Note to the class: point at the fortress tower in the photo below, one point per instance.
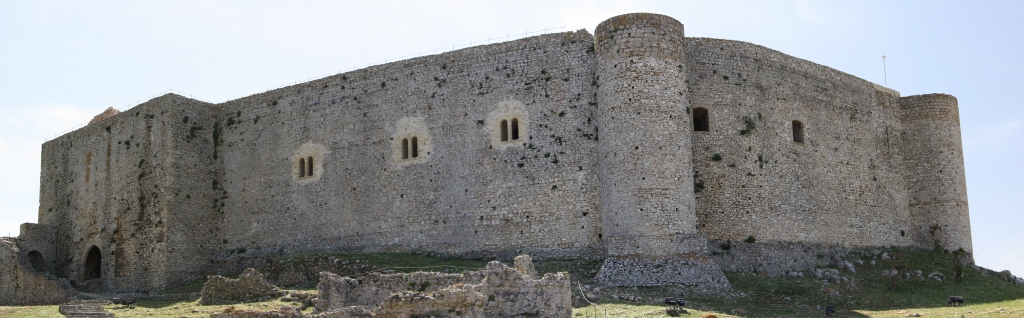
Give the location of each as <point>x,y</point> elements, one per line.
<point>644,153</point>
<point>936,185</point>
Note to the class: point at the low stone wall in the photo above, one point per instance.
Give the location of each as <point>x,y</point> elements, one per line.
<point>696,271</point>
<point>20,285</point>
<point>249,287</point>
<point>774,259</point>
<point>497,291</point>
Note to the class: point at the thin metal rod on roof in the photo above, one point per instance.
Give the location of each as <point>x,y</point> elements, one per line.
<point>885,74</point>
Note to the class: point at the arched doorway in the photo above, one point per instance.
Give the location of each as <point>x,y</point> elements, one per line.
<point>93,264</point>
<point>36,259</point>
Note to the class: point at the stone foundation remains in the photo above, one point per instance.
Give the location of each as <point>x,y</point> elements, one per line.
<point>497,291</point>
<point>22,285</point>
<point>249,287</point>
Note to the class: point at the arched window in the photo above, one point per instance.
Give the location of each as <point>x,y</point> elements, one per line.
<point>700,119</point>
<point>798,131</point>
<point>504,130</point>
<point>515,129</point>
<point>309,166</point>
<point>415,150</point>
<point>93,264</point>
<point>405,148</point>
<point>302,167</point>
<point>36,259</point>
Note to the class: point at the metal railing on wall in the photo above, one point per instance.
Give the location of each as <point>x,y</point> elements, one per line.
<point>507,37</point>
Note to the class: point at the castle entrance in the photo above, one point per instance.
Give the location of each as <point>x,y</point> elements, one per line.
<point>93,264</point>
<point>36,259</point>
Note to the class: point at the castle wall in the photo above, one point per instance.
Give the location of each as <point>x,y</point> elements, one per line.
<point>936,183</point>
<point>109,185</point>
<point>20,285</point>
<point>191,192</point>
<point>466,193</point>
<point>494,150</point>
<point>843,185</point>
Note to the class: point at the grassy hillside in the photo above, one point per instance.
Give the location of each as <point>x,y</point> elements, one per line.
<point>863,293</point>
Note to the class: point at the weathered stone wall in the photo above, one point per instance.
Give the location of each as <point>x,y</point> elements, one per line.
<point>20,285</point>
<point>41,239</point>
<point>461,196</point>
<point>644,153</point>
<point>249,287</point>
<point>774,258</point>
<point>936,183</point>
<point>114,184</point>
<point>843,185</point>
<point>410,156</point>
<point>497,291</point>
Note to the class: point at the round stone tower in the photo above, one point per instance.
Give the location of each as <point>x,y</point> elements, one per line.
<point>644,154</point>
<point>936,186</point>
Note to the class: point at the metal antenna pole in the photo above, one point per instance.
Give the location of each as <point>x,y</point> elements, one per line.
<point>885,74</point>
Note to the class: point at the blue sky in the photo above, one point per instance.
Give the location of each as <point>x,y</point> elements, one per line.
<point>63,62</point>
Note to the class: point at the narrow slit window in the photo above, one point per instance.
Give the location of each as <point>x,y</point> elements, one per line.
<point>415,149</point>
<point>700,119</point>
<point>798,131</point>
<point>515,129</point>
<point>302,167</point>
<point>504,130</point>
<point>405,148</point>
<point>309,166</point>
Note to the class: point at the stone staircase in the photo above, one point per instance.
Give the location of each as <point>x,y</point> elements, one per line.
<point>85,308</point>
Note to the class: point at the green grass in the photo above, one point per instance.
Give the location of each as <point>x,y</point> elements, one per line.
<point>759,296</point>
<point>753,295</point>
<point>30,311</point>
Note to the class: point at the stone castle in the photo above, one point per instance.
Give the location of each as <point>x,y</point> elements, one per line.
<point>670,158</point>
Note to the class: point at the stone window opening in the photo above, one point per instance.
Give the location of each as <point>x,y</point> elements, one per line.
<point>701,122</point>
<point>411,141</point>
<point>309,166</point>
<point>515,129</point>
<point>36,260</point>
<point>305,168</point>
<point>415,148</point>
<point>405,148</point>
<point>798,131</point>
<point>93,264</point>
<point>504,130</point>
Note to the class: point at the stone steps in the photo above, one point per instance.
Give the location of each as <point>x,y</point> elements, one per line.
<point>85,308</point>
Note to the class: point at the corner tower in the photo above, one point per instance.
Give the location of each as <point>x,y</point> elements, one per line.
<point>644,156</point>
<point>936,186</point>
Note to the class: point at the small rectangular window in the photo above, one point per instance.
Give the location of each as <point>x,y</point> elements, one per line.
<point>405,148</point>
<point>798,131</point>
<point>701,121</point>
<point>415,150</point>
<point>515,129</point>
<point>309,165</point>
<point>504,130</point>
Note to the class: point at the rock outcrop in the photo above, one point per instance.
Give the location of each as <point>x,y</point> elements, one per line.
<point>249,287</point>
<point>497,291</point>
